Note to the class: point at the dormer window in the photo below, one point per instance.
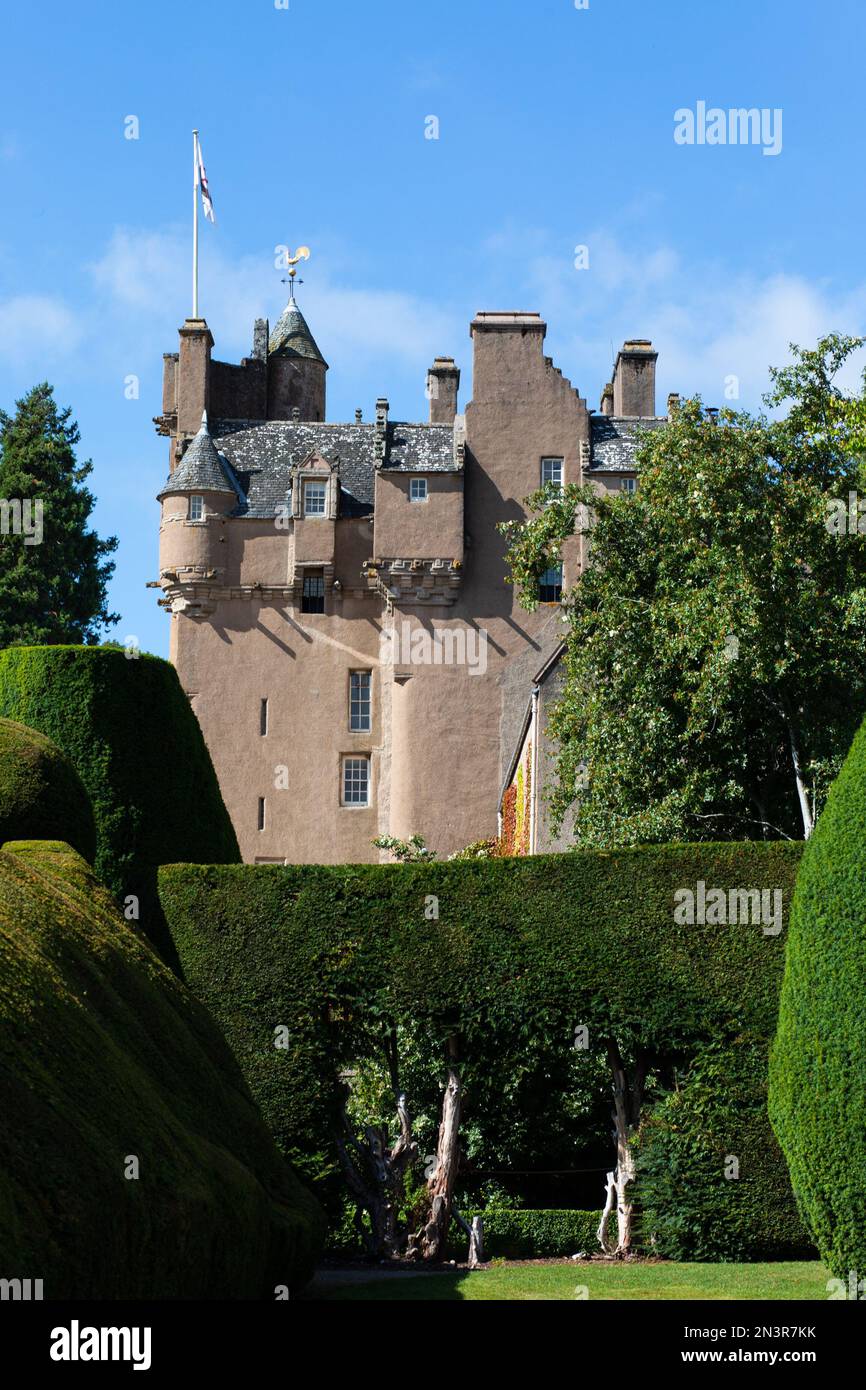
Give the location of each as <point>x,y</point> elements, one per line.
<point>196,509</point>
<point>314,498</point>
<point>418,490</point>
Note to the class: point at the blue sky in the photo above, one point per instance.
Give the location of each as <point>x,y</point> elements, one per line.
<point>556,129</point>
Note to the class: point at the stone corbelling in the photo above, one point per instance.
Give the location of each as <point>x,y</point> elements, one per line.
<point>414,581</point>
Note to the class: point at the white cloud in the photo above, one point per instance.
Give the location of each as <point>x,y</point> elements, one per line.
<point>146,272</point>
<point>36,328</point>
<point>708,321</point>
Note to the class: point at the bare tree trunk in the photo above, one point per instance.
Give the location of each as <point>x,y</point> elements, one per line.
<point>806,811</point>
<point>627,1102</point>
<point>440,1187</point>
<point>609,1201</point>
<point>376,1177</point>
<point>475,1232</point>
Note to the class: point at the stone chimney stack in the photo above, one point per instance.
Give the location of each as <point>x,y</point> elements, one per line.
<point>381,444</point>
<point>261,333</point>
<point>607,399</point>
<point>634,379</point>
<point>443,383</point>
<point>193,370</point>
<point>673,404</point>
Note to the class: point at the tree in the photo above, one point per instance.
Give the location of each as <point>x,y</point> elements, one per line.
<point>716,655</point>
<point>54,571</point>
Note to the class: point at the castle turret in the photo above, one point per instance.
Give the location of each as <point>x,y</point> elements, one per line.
<point>196,499</point>
<point>296,369</point>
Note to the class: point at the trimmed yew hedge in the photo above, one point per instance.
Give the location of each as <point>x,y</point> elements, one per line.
<point>818,1068</point>
<point>41,795</point>
<point>712,1178</point>
<point>473,947</point>
<point>129,731</point>
<point>518,1234</point>
<point>106,1055</point>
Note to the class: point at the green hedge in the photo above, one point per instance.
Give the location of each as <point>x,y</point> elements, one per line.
<point>129,731</point>
<point>41,795</point>
<point>542,943</point>
<point>530,1235</point>
<point>104,1054</point>
<point>818,1070</point>
<point>710,1170</point>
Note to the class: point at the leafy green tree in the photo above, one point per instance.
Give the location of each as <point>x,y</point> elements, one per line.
<point>54,571</point>
<point>716,656</point>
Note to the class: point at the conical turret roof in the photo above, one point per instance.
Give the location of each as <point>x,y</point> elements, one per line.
<point>292,338</point>
<point>201,469</point>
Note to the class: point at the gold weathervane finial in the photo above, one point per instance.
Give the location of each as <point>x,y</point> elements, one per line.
<point>302,254</point>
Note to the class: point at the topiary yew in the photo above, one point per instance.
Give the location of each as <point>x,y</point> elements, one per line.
<point>42,797</point>
<point>127,727</point>
<point>818,1062</point>
<point>104,1057</point>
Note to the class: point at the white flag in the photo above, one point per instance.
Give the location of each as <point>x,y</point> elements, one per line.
<point>201,180</point>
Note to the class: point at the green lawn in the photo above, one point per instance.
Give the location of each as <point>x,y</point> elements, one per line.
<point>803,1280</point>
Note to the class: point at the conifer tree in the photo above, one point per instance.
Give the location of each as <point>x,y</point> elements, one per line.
<point>54,570</point>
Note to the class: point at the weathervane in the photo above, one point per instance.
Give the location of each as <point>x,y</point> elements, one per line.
<point>302,254</point>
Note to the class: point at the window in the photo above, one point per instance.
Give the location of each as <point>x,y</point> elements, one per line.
<point>418,490</point>
<point>550,585</point>
<point>313,596</point>
<point>261,813</point>
<point>359,702</point>
<point>629,485</point>
<point>196,508</point>
<point>551,471</point>
<point>314,499</point>
<point>356,781</point>
<point>263,717</point>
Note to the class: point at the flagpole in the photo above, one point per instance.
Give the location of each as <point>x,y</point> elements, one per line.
<point>195,224</point>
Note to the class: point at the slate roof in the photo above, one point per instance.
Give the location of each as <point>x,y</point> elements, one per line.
<point>291,336</point>
<point>261,454</point>
<point>615,440</point>
<point>201,469</point>
<point>420,448</point>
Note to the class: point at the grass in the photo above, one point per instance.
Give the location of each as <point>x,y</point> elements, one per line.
<point>804,1280</point>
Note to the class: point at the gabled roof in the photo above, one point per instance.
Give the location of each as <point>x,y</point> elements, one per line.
<point>292,338</point>
<point>201,469</point>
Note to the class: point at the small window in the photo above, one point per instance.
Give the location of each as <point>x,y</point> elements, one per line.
<point>629,485</point>
<point>261,813</point>
<point>418,490</point>
<point>314,499</point>
<point>263,717</point>
<point>196,508</point>
<point>550,585</point>
<point>359,702</point>
<point>313,597</point>
<point>356,781</point>
<point>551,472</point>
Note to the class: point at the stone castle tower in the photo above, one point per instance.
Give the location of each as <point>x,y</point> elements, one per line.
<point>340,616</point>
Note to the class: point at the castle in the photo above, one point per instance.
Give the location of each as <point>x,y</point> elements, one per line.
<point>340,614</point>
